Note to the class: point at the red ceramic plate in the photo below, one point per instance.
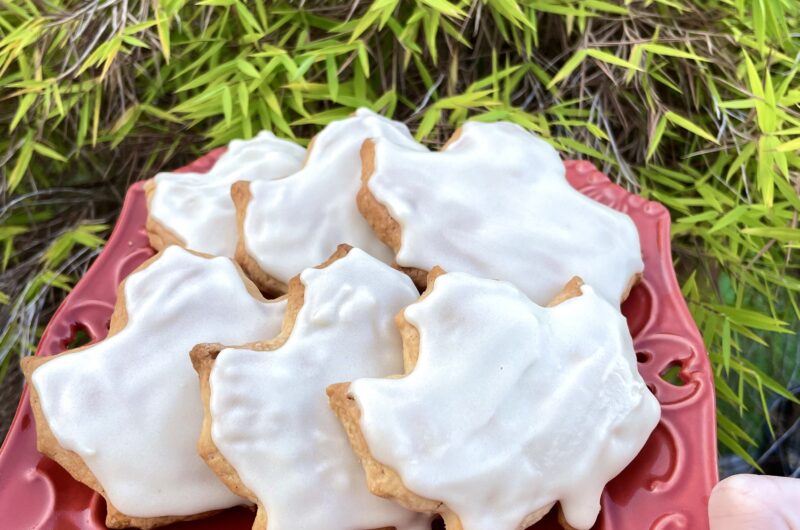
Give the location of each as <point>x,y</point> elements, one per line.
<point>665,488</point>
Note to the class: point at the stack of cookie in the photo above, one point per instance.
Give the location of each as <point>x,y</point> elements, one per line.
<point>331,394</point>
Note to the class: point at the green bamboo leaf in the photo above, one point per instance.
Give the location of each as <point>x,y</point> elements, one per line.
<point>697,218</point>
<point>227,104</point>
<point>792,97</point>
<point>431,28</point>
<point>133,41</point>
<point>779,233</point>
<point>58,101</point>
<point>467,100</point>
<point>568,67</point>
<point>162,23</point>
<point>726,393</point>
<point>98,99</point>
<point>607,7</point>
<point>47,279</point>
<point>765,176</point>
<point>759,23</point>
<point>49,152</point>
<point>363,58</point>
<point>85,235</point>
<point>511,11</point>
<point>8,249</point>
<point>752,319</point>
<point>579,147</point>
<point>21,165</point>
<point>10,231</point>
<point>159,113</point>
<point>280,122</point>
<point>753,79</point>
<point>25,103</point>
<point>324,117</point>
<point>729,218</point>
<point>363,24</point>
<point>386,104</point>
<point>303,67</point>
<point>790,146</point>
<point>770,382</point>
<point>728,441</point>
<point>133,29</point>
<point>684,123</point>
<point>217,74</point>
<point>62,246</point>
<point>124,119</point>
<point>247,69</point>
<point>726,345</point>
<point>247,18</point>
<point>788,193</point>
<point>83,123</point>
<point>738,104</point>
<point>660,49</point>
<point>610,58</point>
<point>271,99</point>
<point>740,162</point>
<point>331,71</point>
<point>736,431</point>
<point>635,58</point>
<point>429,121</point>
<point>655,139</point>
<point>244,99</point>
<point>445,8</point>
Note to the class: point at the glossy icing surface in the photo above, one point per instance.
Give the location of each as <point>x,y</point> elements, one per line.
<point>511,406</point>
<point>197,207</point>
<point>129,405</point>
<point>270,415</point>
<point>496,204</point>
<point>297,222</point>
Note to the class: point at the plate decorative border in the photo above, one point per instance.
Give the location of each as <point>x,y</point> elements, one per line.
<point>665,488</point>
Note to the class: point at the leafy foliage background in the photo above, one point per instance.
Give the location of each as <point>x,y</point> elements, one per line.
<point>692,103</point>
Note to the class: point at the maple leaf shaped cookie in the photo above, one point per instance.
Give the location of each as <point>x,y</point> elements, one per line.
<point>297,222</point>
<point>507,407</point>
<point>195,210</point>
<point>123,415</point>
<point>268,430</point>
<point>495,203</point>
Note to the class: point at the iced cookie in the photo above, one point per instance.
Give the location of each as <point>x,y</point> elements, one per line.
<point>290,224</point>
<point>195,210</point>
<point>507,407</point>
<point>495,203</point>
<point>123,415</point>
<point>268,430</point>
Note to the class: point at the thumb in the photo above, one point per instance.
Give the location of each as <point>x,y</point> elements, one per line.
<point>751,502</point>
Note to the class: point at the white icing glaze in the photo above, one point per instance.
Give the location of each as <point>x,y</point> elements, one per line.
<point>496,204</point>
<point>270,414</point>
<point>297,222</point>
<point>130,405</point>
<point>511,406</point>
<point>198,208</point>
